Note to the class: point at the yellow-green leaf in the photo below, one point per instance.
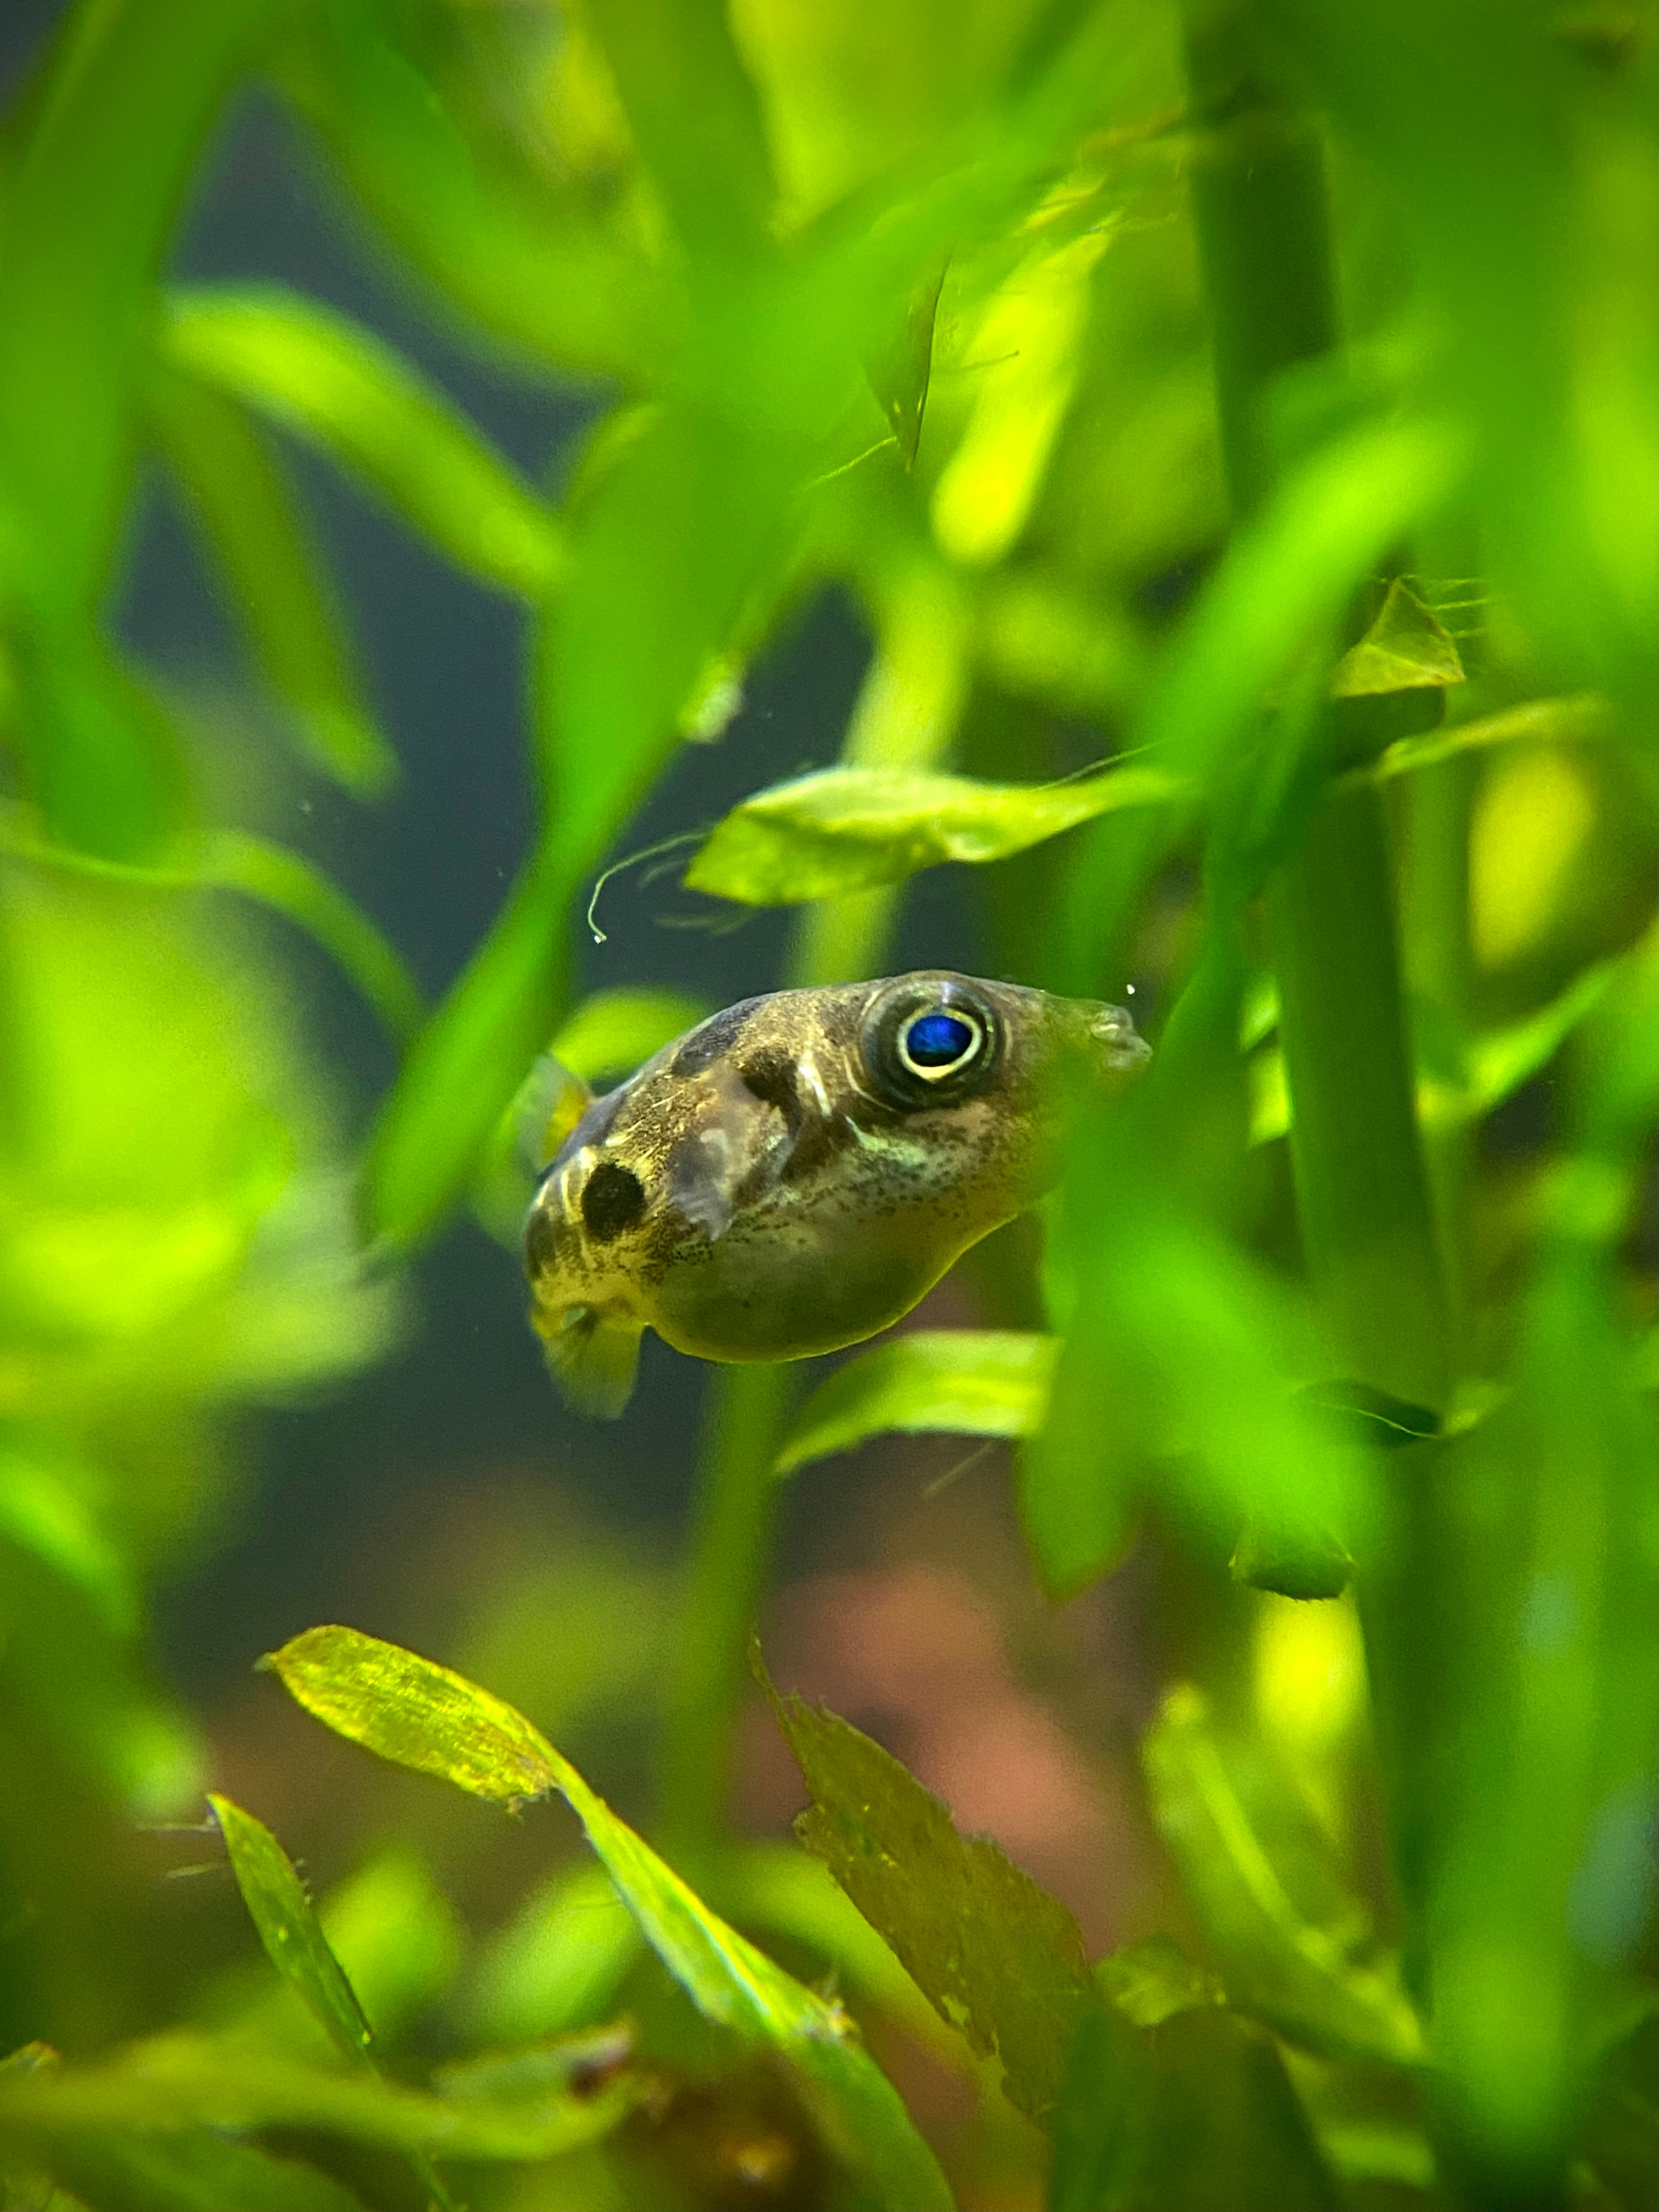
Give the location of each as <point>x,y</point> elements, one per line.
<point>417,1714</point>
<point>979,1382</point>
<point>420,1715</point>
<point>843,829</point>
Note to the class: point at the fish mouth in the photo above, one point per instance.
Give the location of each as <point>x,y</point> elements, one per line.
<point>1113,1033</point>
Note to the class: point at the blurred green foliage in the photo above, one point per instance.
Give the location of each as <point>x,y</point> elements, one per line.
<point>1235,420</point>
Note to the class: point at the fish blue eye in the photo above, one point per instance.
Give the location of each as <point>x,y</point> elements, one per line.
<point>938,1040</point>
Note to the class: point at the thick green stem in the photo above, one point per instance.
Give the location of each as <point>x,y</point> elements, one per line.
<point>1367,1223</point>
<point>905,718</point>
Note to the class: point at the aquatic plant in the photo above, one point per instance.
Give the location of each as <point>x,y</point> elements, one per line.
<point>1234,420</point>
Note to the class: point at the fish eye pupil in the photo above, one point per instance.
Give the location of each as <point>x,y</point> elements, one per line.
<point>938,1040</point>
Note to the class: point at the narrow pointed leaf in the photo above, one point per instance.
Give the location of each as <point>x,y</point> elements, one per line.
<point>289,1929</point>
<point>235,484</point>
<point>978,1383</point>
<point>330,381</point>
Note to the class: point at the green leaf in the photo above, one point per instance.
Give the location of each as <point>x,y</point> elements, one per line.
<point>1151,1982</point>
<point>93,184</point>
<point>184,2082</point>
<point>463,1069</point>
<point>1287,576</point>
<point>614,1032</point>
<point>1405,649</point>
<point>670,546</point>
<point>317,373</point>
<point>997,1957</point>
<point>532,266</point>
<point>695,114</point>
<point>560,1961</point>
<point>899,376</point>
<point>289,1929</point>
<point>981,1383</point>
<point>43,1508</point>
<point>1201,1346</point>
<point>422,1715</point>
<point>1194,2114</point>
<point>273,569</point>
<point>407,1710</point>
<point>843,829</point>
<point>1577,720</point>
<point>233,860</point>
<point>188,2171</point>
<point>1295,1945</point>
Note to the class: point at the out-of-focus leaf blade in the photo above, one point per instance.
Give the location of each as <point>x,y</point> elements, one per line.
<point>614,1032</point>
<point>464,1066</point>
<point>669,549</point>
<point>188,2170</point>
<point>182,2081</point>
<point>1282,586</point>
<point>1577,720</point>
<point>42,1508</point>
<point>1195,2114</point>
<point>235,484</point>
<point>535,269</point>
<point>131,102</point>
<point>232,860</point>
<point>422,1715</point>
<point>1311,1968</point>
<point>996,1955</point>
<point>843,829</point>
<point>982,1382</point>
<point>289,1929</point>
<point>560,1961</point>
<point>695,116</point>
<point>317,373</point>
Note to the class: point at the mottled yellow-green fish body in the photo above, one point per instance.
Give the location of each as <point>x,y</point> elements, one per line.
<point>795,1173</point>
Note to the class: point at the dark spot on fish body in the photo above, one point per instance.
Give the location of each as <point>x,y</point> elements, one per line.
<point>613,1199</point>
<point>710,1039</point>
<point>770,1077</point>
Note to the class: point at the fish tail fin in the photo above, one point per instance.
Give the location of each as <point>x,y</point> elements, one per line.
<point>592,1357</point>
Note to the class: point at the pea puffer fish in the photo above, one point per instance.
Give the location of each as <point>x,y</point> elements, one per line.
<point>792,1175</point>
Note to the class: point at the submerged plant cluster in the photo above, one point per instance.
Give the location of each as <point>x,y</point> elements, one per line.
<point>1233,422</point>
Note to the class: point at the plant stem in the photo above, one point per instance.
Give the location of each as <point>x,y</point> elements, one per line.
<point>905,717</point>
<point>1363,1195</point>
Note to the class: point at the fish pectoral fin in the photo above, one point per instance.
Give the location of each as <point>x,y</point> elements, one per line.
<point>550,1103</point>
<point>592,1357</point>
